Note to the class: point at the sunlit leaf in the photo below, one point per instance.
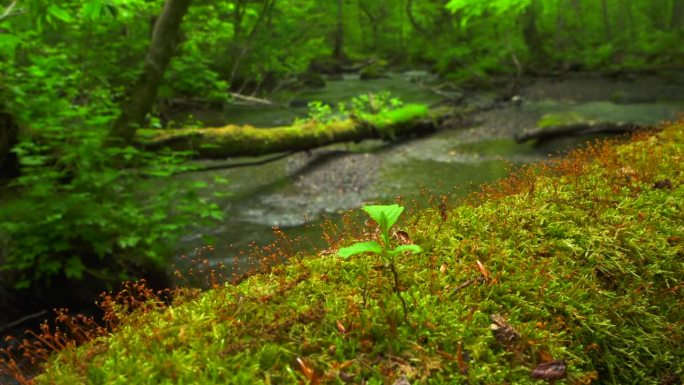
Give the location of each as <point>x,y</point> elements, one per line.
<point>360,247</point>
<point>411,248</point>
<point>59,13</point>
<point>74,268</point>
<point>385,215</point>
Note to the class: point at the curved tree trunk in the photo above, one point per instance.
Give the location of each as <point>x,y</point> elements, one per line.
<point>412,18</point>
<point>165,37</point>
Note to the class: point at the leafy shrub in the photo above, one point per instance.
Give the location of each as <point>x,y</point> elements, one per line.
<point>361,106</point>
<point>86,209</point>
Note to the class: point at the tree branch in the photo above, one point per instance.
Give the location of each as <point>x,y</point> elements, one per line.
<point>8,10</point>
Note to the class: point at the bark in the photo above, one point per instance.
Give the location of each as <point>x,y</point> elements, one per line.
<point>374,20</point>
<point>248,41</point>
<point>560,25</point>
<point>9,137</point>
<point>412,18</point>
<point>8,11</point>
<point>238,15</point>
<point>531,34</point>
<point>338,48</point>
<point>606,19</point>
<point>576,129</point>
<point>626,22</point>
<point>231,141</point>
<point>165,38</point>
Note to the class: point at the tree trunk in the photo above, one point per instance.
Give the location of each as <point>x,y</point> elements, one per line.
<point>531,34</point>
<point>165,38</point>
<point>560,26</point>
<point>338,48</point>
<point>606,20</point>
<point>230,141</point>
<point>9,137</point>
<point>238,16</point>
<point>373,20</point>
<point>677,15</point>
<point>629,19</point>
<point>412,19</point>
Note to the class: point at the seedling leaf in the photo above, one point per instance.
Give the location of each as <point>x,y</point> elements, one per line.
<point>411,248</point>
<point>385,215</point>
<point>360,247</point>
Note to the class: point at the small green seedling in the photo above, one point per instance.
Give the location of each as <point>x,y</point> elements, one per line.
<point>385,216</point>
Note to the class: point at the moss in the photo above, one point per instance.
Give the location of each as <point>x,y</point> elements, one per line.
<point>232,140</point>
<point>582,257</point>
<point>559,119</point>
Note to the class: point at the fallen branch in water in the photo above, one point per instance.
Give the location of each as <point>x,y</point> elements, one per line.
<point>577,129</point>
<point>251,99</point>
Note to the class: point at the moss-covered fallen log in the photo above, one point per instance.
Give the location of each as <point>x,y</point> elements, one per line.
<point>576,129</point>
<point>232,140</point>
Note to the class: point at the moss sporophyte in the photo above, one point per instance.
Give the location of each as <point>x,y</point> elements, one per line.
<point>385,216</point>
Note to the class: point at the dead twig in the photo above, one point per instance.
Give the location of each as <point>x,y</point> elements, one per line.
<point>468,283</point>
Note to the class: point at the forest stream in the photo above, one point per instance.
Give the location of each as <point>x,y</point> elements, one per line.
<point>296,192</point>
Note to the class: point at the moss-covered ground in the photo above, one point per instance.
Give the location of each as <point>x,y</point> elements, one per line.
<point>583,256</point>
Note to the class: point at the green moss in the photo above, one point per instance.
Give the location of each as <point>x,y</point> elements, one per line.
<point>584,260</point>
<point>405,114</point>
<point>249,140</point>
<point>558,119</point>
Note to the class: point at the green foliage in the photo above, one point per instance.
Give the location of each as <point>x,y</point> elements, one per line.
<point>367,106</point>
<point>558,119</point>
<point>375,103</point>
<point>82,209</point>
<point>99,211</point>
<point>320,112</point>
<point>385,216</point>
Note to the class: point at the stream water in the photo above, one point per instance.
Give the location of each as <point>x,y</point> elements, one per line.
<point>294,193</point>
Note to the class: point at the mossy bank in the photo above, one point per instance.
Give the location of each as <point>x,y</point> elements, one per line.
<point>583,257</point>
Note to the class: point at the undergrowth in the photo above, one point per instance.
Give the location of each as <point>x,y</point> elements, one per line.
<point>580,259</point>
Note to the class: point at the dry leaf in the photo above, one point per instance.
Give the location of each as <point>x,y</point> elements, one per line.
<point>341,328</point>
<point>482,269</point>
<point>307,371</point>
<point>502,330</point>
<point>462,365</point>
<point>550,371</point>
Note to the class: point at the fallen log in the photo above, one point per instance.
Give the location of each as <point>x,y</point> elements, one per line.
<point>576,129</point>
<point>251,99</point>
<point>232,140</point>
